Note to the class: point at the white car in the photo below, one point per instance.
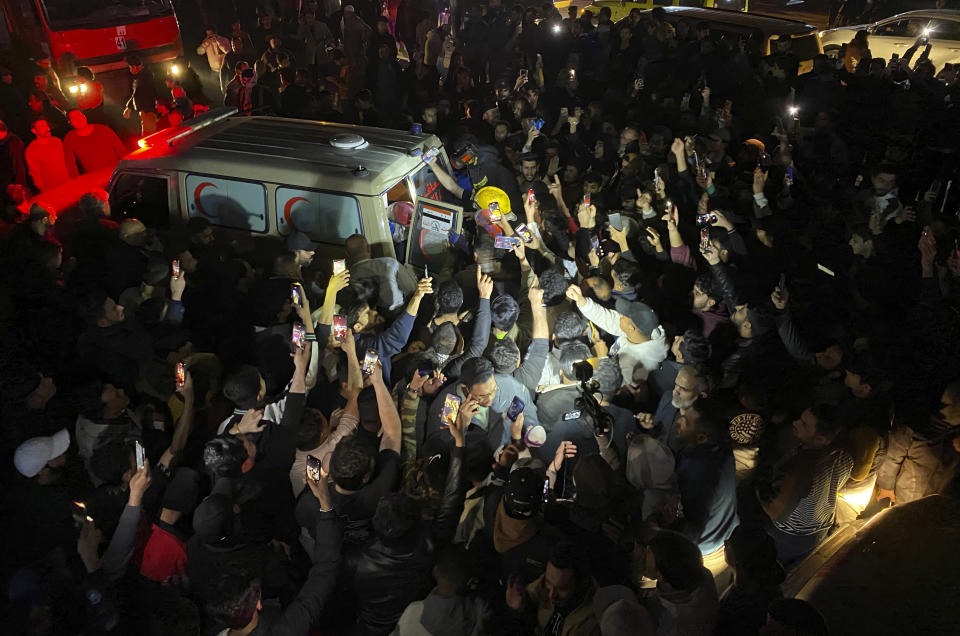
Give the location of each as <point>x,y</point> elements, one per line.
<point>898,33</point>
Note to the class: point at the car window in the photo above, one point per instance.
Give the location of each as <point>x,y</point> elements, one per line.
<point>228,202</point>
<point>137,196</point>
<point>325,216</point>
<point>912,28</point>
<point>945,29</point>
<point>427,185</point>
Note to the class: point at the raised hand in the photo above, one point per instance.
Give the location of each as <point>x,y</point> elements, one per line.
<point>485,283</point>
<point>575,294</point>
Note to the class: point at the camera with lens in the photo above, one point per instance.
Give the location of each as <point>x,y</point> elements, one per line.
<point>587,404</point>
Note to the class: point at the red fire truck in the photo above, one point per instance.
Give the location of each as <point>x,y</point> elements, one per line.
<point>93,33</point>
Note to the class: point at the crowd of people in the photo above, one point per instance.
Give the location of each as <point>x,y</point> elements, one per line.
<point>696,299</point>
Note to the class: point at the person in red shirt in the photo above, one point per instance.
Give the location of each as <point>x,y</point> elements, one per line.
<point>165,555</point>
<point>46,161</point>
<point>91,146</point>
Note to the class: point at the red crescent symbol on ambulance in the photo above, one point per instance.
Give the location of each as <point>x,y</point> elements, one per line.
<point>196,197</point>
<point>286,211</point>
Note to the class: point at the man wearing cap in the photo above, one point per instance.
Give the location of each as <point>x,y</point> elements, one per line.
<point>513,532</point>
<point>303,248</point>
<point>42,502</point>
<point>640,343</point>
<point>46,158</point>
<point>42,457</point>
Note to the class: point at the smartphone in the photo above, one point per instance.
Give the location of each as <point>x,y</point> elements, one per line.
<point>181,377</point>
<point>339,327</point>
<point>782,285</point>
<point>295,295</point>
<point>704,220</point>
<point>789,175</point>
<point>493,211</point>
<point>426,369</point>
<point>451,406</point>
<point>524,73</point>
<point>313,468</point>
<point>516,408</point>
<point>616,221</point>
<point>339,266</point>
<point>656,178</point>
<point>369,360</point>
<point>667,205</point>
<point>505,242</point>
<point>595,244</point>
<point>80,514</point>
<point>175,267</point>
<point>531,197</point>
<point>141,454</point>
<point>546,490</point>
<point>586,199</point>
<point>524,233</point>
<point>704,238</point>
<point>298,335</point>
<point>538,123</point>
<point>426,271</point>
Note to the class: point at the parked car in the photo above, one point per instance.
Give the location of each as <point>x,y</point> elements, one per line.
<point>733,25</point>
<point>622,8</point>
<point>858,577</point>
<point>898,33</point>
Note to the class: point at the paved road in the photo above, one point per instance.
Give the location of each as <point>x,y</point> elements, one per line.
<point>811,11</point>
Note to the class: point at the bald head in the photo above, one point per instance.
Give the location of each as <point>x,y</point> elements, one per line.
<point>357,248</point>
<point>133,232</point>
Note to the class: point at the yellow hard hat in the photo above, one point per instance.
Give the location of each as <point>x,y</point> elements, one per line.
<point>487,195</point>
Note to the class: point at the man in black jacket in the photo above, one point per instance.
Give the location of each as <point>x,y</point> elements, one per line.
<point>393,569</point>
<point>237,604</point>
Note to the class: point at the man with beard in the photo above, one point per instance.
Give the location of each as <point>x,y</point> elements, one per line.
<point>531,177</point>
<point>691,385</point>
<point>303,250</point>
<point>707,478</point>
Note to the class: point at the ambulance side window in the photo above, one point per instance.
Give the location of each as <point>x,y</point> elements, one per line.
<point>326,217</point>
<point>228,202</point>
<point>143,197</point>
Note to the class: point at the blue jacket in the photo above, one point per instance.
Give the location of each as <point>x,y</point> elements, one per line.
<point>706,475</point>
<point>387,343</point>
